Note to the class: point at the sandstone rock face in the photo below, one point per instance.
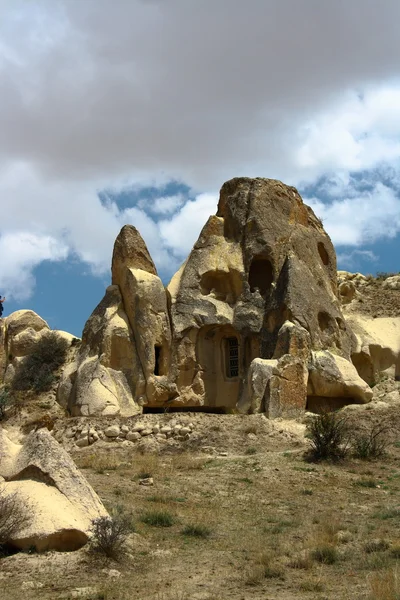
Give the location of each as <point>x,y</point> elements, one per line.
<point>335,378</point>
<point>19,333</point>
<point>106,377</point>
<point>378,346</point>
<point>123,362</point>
<point>45,479</point>
<point>236,325</point>
<point>263,261</point>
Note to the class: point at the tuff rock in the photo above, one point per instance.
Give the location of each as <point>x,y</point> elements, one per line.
<point>246,323</point>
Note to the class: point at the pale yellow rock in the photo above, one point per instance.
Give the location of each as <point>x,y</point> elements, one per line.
<point>106,377</point>
<point>59,498</point>
<point>378,346</point>
<point>332,376</point>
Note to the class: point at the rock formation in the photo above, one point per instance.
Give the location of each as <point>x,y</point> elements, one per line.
<point>19,334</point>
<point>240,326</point>
<point>44,479</point>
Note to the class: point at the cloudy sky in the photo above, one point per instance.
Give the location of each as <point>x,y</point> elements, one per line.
<point>136,111</point>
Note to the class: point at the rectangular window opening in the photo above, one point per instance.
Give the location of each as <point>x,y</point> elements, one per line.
<point>232,357</point>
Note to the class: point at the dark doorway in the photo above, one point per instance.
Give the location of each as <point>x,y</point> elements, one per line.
<point>157,362</point>
<point>261,275</point>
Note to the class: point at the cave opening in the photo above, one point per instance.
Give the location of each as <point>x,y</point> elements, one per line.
<point>261,275</point>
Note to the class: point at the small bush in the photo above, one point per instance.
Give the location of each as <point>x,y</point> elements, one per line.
<point>329,436</point>
<point>370,443</point>
<point>158,518</point>
<point>251,450</point>
<point>200,531</point>
<point>366,483</point>
<point>109,534</point>
<point>376,546</point>
<point>14,516</point>
<point>326,555</point>
<point>37,371</point>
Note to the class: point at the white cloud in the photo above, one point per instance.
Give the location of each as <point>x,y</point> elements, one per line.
<point>363,219</point>
<point>180,232</point>
<point>21,252</point>
<point>351,259</point>
<point>101,95</point>
<point>165,205</point>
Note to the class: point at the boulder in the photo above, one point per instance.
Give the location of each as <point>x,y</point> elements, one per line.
<point>347,291</point>
<point>253,395</point>
<point>288,388</point>
<point>378,346</point>
<point>392,283</point>
<point>45,479</point>
<point>335,378</point>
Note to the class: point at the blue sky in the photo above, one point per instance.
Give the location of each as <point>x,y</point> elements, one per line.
<point>137,112</point>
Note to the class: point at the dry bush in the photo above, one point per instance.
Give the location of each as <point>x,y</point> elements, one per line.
<point>14,515</point>
<point>329,436</point>
<point>109,534</point>
<point>264,567</point>
<point>370,443</point>
<point>385,585</point>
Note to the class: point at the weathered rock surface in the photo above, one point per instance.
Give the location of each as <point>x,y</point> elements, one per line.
<point>378,346</point>
<point>236,325</point>
<point>45,479</point>
<point>335,378</point>
<point>106,378</point>
<point>19,333</point>
<point>262,261</point>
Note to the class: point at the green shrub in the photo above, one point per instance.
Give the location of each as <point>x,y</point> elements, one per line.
<point>370,443</point>
<point>329,436</point>
<point>158,518</point>
<point>37,371</point>
<point>109,534</point>
<point>326,555</point>
<point>200,531</point>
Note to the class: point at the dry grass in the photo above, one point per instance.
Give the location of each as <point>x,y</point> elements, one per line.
<point>385,585</point>
<point>265,531</point>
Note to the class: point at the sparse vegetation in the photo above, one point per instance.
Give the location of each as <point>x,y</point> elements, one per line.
<point>370,443</point>
<point>109,534</point>
<point>199,531</point>
<point>329,436</point>
<point>158,518</point>
<point>385,585</point>
<point>325,554</point>
<point>376,546</point>
<point>14,516</point>
<point>37,371</point>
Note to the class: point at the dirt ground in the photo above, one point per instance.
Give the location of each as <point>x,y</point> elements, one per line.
<point>266,524</point>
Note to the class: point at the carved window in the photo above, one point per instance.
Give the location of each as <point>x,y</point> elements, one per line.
<point>232,357</point>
